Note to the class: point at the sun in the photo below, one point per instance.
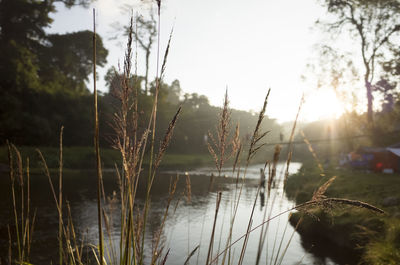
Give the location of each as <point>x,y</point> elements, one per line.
<point>322,104</point>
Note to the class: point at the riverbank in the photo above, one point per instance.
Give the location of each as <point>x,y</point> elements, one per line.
<point>78,158</point>
<point>375,238</point>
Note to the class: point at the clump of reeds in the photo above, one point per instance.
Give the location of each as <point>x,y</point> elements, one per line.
<point>70,251</point>
<point>320,201</point>
<point>218,150</point>
<point>255,146</point>
<point>218,146</point>
<point>132,142</point>
<point>271,179</point>
<point>24,221</point>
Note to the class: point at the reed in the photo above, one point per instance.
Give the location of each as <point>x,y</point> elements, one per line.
<point>312,151</point>
<point>97,146</point>
<point>60,241</point>
<point>156,250</point>
<point>271,179</point>
<point>211,243</point>
<point>290,148</point>
<point>24,221</point>
<point>219,145</point>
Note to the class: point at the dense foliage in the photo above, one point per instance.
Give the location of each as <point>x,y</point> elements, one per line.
<point>198,117</point>
<point>42,81</point>
<point>43,86</point>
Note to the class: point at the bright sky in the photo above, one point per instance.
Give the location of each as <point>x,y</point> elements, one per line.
<point>247,46</point>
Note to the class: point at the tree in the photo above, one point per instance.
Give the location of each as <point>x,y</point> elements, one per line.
<point>145,35</point>
<point>374,23</point>
<point>24,43</point>
<point>67,60</point>
<point>24,20</point>
<point>36,71</point>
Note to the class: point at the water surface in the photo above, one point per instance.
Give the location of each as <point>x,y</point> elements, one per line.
<point>186,228</point>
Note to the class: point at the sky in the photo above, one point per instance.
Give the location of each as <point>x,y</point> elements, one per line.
<point>245,46</point>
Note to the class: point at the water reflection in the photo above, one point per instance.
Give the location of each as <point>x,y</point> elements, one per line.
<point>188,227</point>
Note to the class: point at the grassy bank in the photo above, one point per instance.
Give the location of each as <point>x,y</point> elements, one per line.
<point>78,158</point>
<point>375,237</point>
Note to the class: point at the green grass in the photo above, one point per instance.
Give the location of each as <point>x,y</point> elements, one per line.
<point>377,235</point>
<point>82,157</point>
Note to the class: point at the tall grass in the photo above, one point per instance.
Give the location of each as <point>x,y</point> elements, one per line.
<point>133,142</point>
<point>24,221</point>
<point>96,145</point>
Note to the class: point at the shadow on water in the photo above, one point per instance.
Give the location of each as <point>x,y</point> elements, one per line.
<point>329,253</point>
<point>188,227</point>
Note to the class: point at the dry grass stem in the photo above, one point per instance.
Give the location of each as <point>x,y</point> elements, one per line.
<point>218,146</point>
<point>167,138</point>
<point>320,193</point>
<point>97,146</point>
<point>164,64</point>
<point>9,245</point>
<point>191,255</point>
<point>157,249</point>
<point>60,241</point>
<point>272,175</point>
<point>290,148</point>
<point>188,189</point>
<point>211,244</point>
<point>329,203</point>
<point>290,240</point>
<point>165,258</point>
<point>257,134</point>
<point>248,228</point>
<point>314,154</point>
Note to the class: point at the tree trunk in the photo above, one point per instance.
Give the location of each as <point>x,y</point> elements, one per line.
<point>370,117</point>
<point>147,72</point>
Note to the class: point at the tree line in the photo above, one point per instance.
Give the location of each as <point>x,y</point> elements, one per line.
<point>43,87</point>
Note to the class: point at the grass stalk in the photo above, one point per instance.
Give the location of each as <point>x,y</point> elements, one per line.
<point>29,229</point>
<point>281,242</point>
<point>248,228</point>
<point>60,241</point>
<point>156,251</point>
<point>12,178</point>
<point>74,238</point>
<point>22,191</point>
<point>96,145</point>
<point>254,147</point>
<point>289,241</point>
<point>201,238</point>
<point>210,247</point>
<point>290,148</point>
<point>9,245</point>
<point>191,255</point>
<point>153,118</point>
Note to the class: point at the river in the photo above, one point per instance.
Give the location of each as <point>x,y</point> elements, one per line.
<point>188,227</point>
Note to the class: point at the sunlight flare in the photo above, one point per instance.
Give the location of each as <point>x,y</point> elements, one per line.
<point>322,104</point>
